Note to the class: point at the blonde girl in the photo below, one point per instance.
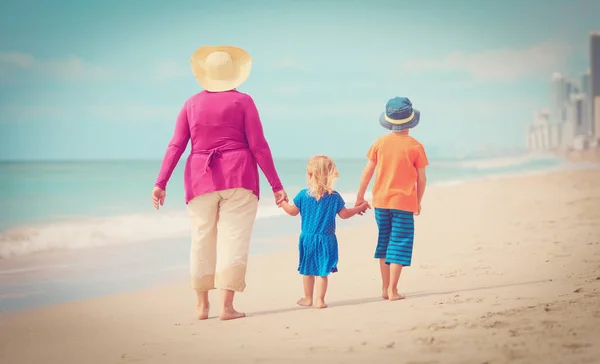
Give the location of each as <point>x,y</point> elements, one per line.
<point>318,206</point>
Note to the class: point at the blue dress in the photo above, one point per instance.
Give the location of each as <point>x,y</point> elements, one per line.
<point>318,244</point>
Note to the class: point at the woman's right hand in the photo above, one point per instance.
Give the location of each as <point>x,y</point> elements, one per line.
<point>158,197</point>
<point>280,196</point>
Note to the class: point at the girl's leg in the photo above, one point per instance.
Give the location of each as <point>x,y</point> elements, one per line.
<point>385,278</point>
<point>309,287</point>
<point>384,224</point>
<point>321,291</point>
<point>395,270</point>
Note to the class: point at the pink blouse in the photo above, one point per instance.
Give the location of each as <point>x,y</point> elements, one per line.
<point>227,142</point>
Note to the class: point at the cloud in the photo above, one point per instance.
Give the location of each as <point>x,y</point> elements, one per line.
<point>15,65</point>
<point>290,64</point>
<point>22,112</point>
<point>16,59</point>
<point>498,65</point>
<point>18,67</point>
<point>123,112</point>
<point>134,112</point>
<point>168,70</point>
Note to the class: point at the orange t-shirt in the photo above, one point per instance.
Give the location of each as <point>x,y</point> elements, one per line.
<point>397,157</point>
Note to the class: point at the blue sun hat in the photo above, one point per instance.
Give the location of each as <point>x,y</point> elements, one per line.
<point>399,115</point>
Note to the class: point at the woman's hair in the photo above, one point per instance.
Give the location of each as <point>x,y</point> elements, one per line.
<point>322,173</point>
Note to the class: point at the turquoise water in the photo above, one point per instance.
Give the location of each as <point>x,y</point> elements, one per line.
<point>102,236</point>
<point>66,205</point>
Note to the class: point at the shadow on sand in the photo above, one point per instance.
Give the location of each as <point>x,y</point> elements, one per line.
<point>409,296</point>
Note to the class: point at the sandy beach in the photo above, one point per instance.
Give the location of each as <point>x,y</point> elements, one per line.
<point>504,271</point>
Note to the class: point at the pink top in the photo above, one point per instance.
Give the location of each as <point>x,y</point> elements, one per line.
<point>227,142</point>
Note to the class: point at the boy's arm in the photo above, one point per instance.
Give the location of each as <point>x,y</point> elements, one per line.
<point>365,179</point>
<point>289,209</point>
<point>421,183</point>
<point>346,213</point>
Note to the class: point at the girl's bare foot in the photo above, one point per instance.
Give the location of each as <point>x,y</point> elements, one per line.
<point>231,314</point>
<point>202,311</point>
<point>384,294</point>
<point>395,296</point>
<point>305,301</point>
<point>320,304</point>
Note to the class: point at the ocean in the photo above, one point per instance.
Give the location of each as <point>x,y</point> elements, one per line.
<point>73,230</point>
<point>74,205</point>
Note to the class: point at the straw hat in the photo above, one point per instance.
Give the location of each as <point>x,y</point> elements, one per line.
<point>220,68</point>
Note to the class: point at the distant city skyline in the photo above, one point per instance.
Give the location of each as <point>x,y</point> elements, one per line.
<point>572,121</point>
<point>594,55</point>
<point>82,80</point>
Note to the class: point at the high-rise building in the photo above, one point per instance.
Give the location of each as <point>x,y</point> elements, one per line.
<point>568,134</point>
<point>595,79</point>
<point>584,83</point>
<point>577,111</point>
<point>539,132</point>
<point>597,119</point>
<point>558,91</point>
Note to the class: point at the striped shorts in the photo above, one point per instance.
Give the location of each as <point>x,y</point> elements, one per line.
<point>396,235</point>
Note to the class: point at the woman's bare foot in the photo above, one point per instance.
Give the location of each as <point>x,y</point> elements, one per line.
<point>395,296</point>
<point>320,304</point>
<point>305,301</point>
<point>231,314</point>
<point>202,311</point>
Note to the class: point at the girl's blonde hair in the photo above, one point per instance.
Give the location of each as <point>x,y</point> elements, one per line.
<point>322,173</point>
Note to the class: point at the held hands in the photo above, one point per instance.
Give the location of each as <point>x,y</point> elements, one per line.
<point>280,196</point>
<point>158,197</point>
<point>362,205</point>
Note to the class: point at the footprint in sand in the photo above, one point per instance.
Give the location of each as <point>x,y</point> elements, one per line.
<point>496,325</point>
<point>575,346</point>
<point>390,345</point>
<point>428,340</point>
<point>442,326</point>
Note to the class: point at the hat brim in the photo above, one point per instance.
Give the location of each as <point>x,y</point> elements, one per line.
<point>396,127</point>
<point>242,62</point>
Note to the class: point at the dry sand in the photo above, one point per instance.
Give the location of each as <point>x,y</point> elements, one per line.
<point>504,271</point>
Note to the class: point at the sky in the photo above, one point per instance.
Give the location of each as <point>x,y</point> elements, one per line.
<point>106,80</point>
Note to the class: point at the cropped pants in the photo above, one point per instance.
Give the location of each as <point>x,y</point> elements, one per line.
<point>222,224</point>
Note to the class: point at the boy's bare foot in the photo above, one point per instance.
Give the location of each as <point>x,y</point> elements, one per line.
<point>395,296</point>
<point>202,312</point>
<point>231,314</point>
<point>305,301</point>
<point>320,304</point>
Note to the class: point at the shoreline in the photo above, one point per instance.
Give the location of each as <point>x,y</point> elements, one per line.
<point>175,216</point>
<point>56,265</point>
<point>503,271</point>
<point>507,288</point>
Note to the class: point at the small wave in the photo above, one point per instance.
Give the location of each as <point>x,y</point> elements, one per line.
<point>494,163</point>
<point>79,233</point>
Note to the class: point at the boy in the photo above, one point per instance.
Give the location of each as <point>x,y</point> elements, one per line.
<point>399,162</point>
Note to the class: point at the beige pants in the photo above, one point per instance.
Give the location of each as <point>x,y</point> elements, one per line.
<point>222,223</point>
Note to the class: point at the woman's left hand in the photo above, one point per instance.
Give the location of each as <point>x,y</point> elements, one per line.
<point>280,196</point>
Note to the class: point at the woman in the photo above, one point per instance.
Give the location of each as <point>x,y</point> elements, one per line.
<point>221,174</point>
